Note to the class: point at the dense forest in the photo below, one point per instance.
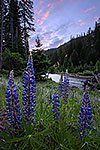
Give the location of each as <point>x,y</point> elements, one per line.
<point>16,21</point>
<point>16,24</point>
<point>78,54</point>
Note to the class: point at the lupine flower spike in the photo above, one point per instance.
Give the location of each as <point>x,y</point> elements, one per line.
<point>13,107</point>
<point>60,89</point>
<point>85,114</point>
<point>29,92</point>
<point>56,106</point>
<point>66,87</point>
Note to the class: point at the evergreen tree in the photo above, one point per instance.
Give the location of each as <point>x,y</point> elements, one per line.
<point>1,29</point>
<point>16,21</point>
<point>26,12</point>
<point>3,11</point>
<point>13,30</point>
<point>41,61</point>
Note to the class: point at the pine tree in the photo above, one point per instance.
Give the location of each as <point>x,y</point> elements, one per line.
<point>16,21</point>
<point>1,29</point>
<point>13,29</point>
<point>26,12</point>
<point>41,61</point>
<point>3,10</point>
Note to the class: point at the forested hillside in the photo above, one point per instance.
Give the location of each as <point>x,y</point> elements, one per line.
<point>80,53</point>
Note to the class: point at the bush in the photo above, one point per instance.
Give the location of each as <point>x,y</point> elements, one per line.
<point>3,71</point>
<point>12,60</point>
<point>87,73</point>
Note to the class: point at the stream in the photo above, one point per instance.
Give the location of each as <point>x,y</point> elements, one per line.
<point>74,81</point>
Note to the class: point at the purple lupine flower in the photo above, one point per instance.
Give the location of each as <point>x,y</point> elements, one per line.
<point>66,87</point>
<point>56,106</point>
<point>29,85</point>
<point>60,89</point>
<point>85,114</point>
<point>12,105</point>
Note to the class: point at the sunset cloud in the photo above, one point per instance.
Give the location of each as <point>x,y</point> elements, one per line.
<point>39,12</point>
<point>55,22</point>
<point>79,20</point>
<point>89,9</point>
<point>96,17</point>
<point>50,5</point>
<point>37,20</point>
<point>45,15</point>
<point>82,24</point>
<point>41,22</point>
<point>55,3</point>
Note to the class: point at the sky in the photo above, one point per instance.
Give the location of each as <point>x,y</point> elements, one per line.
<point>56,20</point>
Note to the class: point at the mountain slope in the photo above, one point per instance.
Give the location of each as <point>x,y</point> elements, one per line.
<point>80,51</point>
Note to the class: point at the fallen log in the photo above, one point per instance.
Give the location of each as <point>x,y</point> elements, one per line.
<point>93,82</point>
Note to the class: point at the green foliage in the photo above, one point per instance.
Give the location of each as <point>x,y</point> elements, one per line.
<point>87,73</point>
<point>45,133</point>
<point>15,25</point>
<point>41,64</point>
<point>91,66</point>
<point>85,67</point>
<point>13,60</point>
<point>70,65</point>
<point>97,66</point>
<point>41,61</point>
<point>3,71</point>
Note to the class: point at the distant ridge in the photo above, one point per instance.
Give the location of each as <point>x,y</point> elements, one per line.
<point>78,51</point>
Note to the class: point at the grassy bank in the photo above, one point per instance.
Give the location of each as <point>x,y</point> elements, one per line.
<point>67,136</point>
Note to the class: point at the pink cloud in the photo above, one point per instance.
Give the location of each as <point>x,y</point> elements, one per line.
<point>41,22</point>
<point>82,24</point>
<point>39,12</point>
<point>51,5</point>
<point>55,3</point>
<point>89,9</point>
<point>96,17</point>
<point>79,20</point>
<point>41,2</point>
<point>45,15</point>
<point>37,20</point>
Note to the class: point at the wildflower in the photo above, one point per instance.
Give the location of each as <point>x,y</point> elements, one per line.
<point>29,85</point>
<point>66,87</point>
<point>56,106</point>
<point>85,114</point>
<point>13,107</point>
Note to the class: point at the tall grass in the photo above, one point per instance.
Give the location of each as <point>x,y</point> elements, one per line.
<point>45,133</point>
